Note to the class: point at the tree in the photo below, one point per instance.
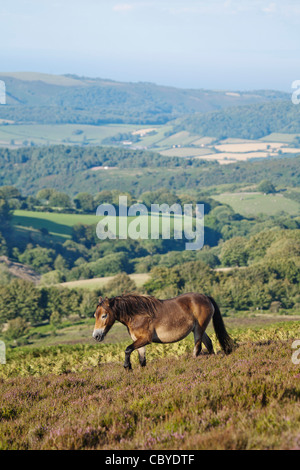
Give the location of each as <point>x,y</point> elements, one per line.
<point>52,277</point>
<point>85,202</point>
<point>59,199</point>
<point>10,192</point>
<point>234,252</point>
<point>5,216</point>
<point>164,282</point>
<point>39,258</point>
<point>120,284</point>
<point>16,328</point>
<point>266,187</point>
<point>22,299</point>
<point>88,304</point>
<point>55,319</point>
<point>45,194</point>
<point>60,264</point>
<point>104,197</point>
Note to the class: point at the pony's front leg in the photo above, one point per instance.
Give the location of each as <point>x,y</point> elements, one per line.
<point>138,344</point>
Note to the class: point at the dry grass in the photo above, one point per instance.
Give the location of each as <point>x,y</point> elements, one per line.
<point>98,282</point>
<point>249,147</point>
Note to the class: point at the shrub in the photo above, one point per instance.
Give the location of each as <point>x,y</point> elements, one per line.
<point>16,328</point>
<point>120,284</point>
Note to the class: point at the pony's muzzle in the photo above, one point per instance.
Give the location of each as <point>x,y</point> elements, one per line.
<point>98,335</point>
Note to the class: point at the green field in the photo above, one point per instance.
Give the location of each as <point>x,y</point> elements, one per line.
<point>60,224</point>
<point>279,137</point>
<point>57,224</point>
<point>256,203</point>
<point>47,134</point>
<point>50,134</point>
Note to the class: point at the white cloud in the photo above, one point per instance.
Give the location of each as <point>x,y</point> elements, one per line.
<point>123,7</point>
<point>271,8</point>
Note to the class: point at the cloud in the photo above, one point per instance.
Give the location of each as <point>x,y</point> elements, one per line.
<point>123,7</point>
<point>271,8</point>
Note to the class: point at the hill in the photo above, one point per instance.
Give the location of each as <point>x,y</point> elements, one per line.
<point>43,98</point>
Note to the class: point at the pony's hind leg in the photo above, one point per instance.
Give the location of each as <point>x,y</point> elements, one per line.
<point>142,356</point>
<point>198,335</point>
<point>208,343</point>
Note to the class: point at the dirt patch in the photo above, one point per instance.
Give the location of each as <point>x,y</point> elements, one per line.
<point>20,270</point>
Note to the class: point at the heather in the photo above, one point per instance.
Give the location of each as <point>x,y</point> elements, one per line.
<point>79,396</point>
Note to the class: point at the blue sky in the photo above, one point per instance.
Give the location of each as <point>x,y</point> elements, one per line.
<point>216,44</point>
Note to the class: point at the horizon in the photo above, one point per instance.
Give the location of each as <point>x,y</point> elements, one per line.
<point>223,44</point>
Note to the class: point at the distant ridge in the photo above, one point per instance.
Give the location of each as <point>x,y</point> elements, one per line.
<point>41,98</point>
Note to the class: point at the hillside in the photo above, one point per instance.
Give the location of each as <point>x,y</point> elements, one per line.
<point>72,169</point>
<point>19,270</point>
<point>251,122</point>
<point>79,397</point>
<point>42,98</point>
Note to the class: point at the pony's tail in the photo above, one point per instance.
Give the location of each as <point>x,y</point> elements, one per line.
<point>224,339</point>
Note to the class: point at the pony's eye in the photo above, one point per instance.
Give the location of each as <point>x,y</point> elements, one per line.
<point>104,315</point>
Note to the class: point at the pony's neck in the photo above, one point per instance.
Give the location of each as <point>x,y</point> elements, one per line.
<point>118,315</point>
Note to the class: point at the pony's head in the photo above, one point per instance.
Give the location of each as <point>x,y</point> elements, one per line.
<point>104,319</point>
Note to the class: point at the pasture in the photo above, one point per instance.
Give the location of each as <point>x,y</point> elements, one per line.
<point>52,134</point>
<point>163,139</point>
<point>256,203</point>
<point>79,396</point>
<point>60,224</point>
<point>57,224</point>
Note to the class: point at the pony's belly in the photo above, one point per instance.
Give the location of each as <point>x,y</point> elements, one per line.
<point>165,335</point>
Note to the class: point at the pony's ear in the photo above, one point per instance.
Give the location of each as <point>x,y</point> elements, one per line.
<point>100,299</point>
<point>106,302</point>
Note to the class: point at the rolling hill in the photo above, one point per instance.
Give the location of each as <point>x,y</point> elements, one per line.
<point>43,98</point>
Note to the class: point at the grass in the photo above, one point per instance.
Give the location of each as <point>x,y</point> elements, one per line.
<point>56,223</point>
<point>187,152</point>
<point>278,137</point>
<point>98,282</point>
<point>60,224</point>
<point>47,134</point>
<point>79,397</point>
<point>255,203</point>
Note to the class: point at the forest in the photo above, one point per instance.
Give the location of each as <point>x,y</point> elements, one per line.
<point>251,122</point>
<point>70,169</point>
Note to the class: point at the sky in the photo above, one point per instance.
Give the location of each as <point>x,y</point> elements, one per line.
<point>213,44</point>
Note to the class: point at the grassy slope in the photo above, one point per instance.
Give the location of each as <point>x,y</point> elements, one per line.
<point>60,224</point>
<point>98,282</point>
<point>255,203</point>
<point>80,397</point>
<point>55,223</point>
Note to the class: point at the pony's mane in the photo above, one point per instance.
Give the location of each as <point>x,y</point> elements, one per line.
<point>129,305</point>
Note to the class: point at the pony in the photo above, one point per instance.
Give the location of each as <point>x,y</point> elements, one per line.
<point>149,319</point>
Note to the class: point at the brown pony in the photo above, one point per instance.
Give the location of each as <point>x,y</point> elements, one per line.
<point>161,321</point>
